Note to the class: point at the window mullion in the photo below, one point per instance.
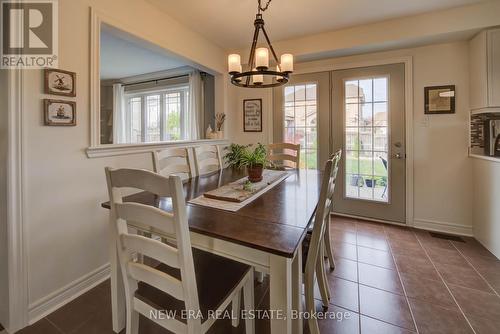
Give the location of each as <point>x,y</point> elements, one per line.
<point>143,118</point>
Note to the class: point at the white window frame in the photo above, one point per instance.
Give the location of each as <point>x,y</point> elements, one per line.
<point>183,90</point>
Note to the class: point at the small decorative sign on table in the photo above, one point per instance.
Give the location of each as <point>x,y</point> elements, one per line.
<point>252,115</point>
<point>440,99</point>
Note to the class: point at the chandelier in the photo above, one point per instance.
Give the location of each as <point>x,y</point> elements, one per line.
<point>259,75</point>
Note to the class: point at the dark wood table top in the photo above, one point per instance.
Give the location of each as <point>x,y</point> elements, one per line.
<point>275,222</point>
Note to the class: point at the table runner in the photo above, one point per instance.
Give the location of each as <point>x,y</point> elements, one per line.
<point>270,179</point>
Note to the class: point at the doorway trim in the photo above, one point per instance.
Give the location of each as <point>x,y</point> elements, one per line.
<point>17,258</point>
<point>408,62</point>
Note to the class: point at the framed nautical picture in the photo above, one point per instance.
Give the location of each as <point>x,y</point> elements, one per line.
<point>440,99</point>
<point>252,115</point>
<point>59,112</point>
<point>59,82</point>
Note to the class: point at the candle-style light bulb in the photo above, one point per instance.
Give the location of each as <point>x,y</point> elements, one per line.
<point>234,63</point>
<point>262,58</point>
<point>279,78</point>
<point>287,63</point>
<point>257,79</point>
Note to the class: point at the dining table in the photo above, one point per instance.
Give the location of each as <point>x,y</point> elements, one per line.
<point>266,233</point>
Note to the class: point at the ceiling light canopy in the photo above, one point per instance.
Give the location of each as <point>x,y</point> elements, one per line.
<point>259,75</point>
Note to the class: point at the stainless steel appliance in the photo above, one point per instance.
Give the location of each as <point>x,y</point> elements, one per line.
<point>492,137</point>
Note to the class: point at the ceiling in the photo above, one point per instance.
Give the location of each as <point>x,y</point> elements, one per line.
<point>229,23</point>
<point>124,56</point>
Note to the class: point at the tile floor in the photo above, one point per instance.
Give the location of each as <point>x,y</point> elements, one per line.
<point>388,279</point>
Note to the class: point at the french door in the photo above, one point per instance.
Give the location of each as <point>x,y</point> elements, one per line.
<point>360,111</point>
<point>368,123</point>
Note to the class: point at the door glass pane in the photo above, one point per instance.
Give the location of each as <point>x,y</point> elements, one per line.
<point>153,118</point>
<point>351,114</point>
<point>366,139</point>
<point>135,120</point>
<point>300,123</point>
<point>365,90</point>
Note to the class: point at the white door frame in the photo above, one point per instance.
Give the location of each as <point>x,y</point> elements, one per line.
<point>408,62</point>
<point>17,257</point>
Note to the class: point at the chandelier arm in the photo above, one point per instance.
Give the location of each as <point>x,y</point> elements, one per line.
<point>263,9</point>
<point>252,50</point>
<point>271,47</point>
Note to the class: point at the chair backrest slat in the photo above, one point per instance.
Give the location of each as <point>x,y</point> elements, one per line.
<point>155,250</point>
<point>173,161</point>
<point>145,214</point>
<point>140,179</point>
<point>277,153</point>
<point>207,159</point>
<point>158,279</point>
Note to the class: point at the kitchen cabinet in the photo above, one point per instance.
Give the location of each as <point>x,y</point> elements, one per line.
<point>484,69</point>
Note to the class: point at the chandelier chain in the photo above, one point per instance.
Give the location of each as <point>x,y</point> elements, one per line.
<point>263,9</point>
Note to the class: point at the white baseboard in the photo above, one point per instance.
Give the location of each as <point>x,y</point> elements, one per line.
<point>437,226</point>
<point>424,224</point>
<point>368,219</point>
<point>48,304</point>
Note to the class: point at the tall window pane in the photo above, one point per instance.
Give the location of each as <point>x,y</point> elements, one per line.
<point>300,125</point>
<point>366,137</point>
<point>135,120</point>
<point>153,118</point>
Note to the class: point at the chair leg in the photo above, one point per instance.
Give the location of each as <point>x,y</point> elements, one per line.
<point>248,300</point>
<point>132,321</point>
<point>329,250</point>
<point>236,305</point>
<point>310,306</point>
<point>322,281</point>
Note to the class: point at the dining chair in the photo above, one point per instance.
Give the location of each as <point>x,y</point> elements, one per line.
<point>178,280</point>
<point>278,153</point>
<point>207,159</point>
<point>315,247</point>
<point>173,161</point>
<point>328,242</point>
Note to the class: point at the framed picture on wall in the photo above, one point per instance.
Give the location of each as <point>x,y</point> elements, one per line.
<point>59,112</point>
<point>252,115</point>
<point>59,82</point>
<point>440,99</point>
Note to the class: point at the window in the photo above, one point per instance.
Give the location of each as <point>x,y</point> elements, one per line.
<point>366,138</point>
<point>301,122</point>
<point>157,115</point>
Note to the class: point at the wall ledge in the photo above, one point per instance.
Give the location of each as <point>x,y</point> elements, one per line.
<point>485,157</point>
<point>126,149</point>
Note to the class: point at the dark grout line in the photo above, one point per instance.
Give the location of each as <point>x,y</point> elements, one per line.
<point>402,285</point>
<point>54,325</point>
<point>473,267</point>
<point>446,285</point>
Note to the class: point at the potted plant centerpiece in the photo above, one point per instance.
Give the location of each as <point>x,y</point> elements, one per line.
<point>255,160</point>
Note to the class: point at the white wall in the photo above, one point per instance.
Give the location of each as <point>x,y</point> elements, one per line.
<point>487,204</point>
<point>442,169</point>
<point>67,234</point>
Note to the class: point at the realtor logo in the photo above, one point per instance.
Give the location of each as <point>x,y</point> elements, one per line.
<point>29,33</point>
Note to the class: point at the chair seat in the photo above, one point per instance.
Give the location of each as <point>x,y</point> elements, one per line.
<point>216,278</point>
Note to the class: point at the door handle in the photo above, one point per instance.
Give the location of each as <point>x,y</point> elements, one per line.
<point>399,156</point>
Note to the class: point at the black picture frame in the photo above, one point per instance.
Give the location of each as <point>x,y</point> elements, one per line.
<point>250,113</point>
<point>434,104</point>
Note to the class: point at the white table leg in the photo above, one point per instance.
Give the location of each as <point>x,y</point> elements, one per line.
<point>117,288</point>
<point>281,294</point>
<point>297,291</point>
